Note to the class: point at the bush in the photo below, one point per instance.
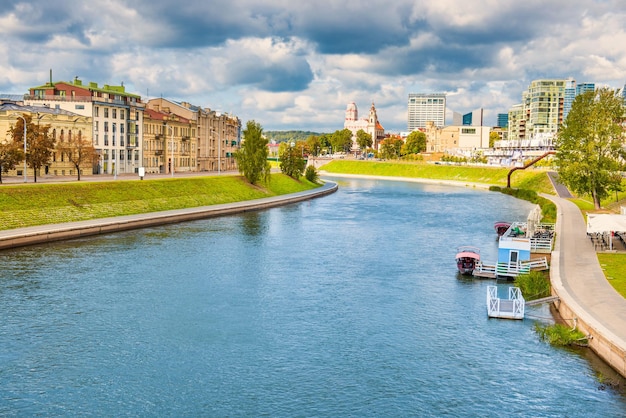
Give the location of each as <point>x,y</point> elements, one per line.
<point>560,335</point>
<point>533,285</point>
<point>311,174</point>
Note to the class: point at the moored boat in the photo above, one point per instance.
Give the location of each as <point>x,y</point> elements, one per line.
<point>466,259</point>
<point>501,227</point>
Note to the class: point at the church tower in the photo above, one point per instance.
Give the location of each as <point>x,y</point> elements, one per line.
<point>352,114</point>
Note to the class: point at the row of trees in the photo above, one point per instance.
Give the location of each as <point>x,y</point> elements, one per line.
<point>41,146</point>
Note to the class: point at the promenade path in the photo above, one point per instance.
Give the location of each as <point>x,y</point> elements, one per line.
<point>591,303</point>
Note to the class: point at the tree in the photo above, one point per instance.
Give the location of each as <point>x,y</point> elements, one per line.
<point>252,156</point>
<point>390,147</point>
<point>415,143</point>
<point>493,137</point>
<point>341,140</point>
<point>10,154</point>
<point>291,162</point>
<point>78,151</point>
<point>589,145</point>
<point>363,140</point>
<point>314,144</point>
<point>40,145</point>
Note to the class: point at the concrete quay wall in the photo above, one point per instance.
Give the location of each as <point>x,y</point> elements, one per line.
<point>586,300</point>
<point>602,341</point>
<point>56,232</point>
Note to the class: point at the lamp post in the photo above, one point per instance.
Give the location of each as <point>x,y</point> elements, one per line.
<point>219,152</point>
<point>172,144</point>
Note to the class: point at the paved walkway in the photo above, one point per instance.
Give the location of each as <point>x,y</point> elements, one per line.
<point>581,275</point>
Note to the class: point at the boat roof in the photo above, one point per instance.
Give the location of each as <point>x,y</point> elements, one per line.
<point>468,254</point>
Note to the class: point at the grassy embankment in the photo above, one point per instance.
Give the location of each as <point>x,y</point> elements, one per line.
<point>614,265</point>
<point>47,203</point>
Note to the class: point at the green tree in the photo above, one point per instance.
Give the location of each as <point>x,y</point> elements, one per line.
<point>39,143</point>
<point>415,143</point>
<point>78,150</point>
<point>363,140</point>
<point>291,162</point>
<point>341,140</point>
<point>10,154</point>
<point>390,147</point>
<point>252,155</point>
<point>493,137</point>
<point>589,145</point>
<point>314,145</point>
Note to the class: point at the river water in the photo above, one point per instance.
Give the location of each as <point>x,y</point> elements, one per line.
<point>346,305</point>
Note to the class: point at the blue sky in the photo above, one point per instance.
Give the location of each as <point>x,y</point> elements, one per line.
<point>297,64</point>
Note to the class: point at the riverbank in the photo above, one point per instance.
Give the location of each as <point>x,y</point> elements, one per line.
<point>59,201</point>
<point>20,237</point>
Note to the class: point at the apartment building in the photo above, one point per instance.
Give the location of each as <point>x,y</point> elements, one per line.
<point>117,119</point>
<point>215,136</point>
<point>541,111</point>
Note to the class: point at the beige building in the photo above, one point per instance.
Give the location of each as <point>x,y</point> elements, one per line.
<point>456,139</point>
<point>63,124</point>
<point>169,143</point>
<point>216,136</point>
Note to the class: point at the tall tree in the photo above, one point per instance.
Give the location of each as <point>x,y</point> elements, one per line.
<point>252,156</point>
<point>341,140</point>
<point>314,144</point>
<point>589,148</point>
<point>78,150</point>
<point>363,140</point>
<point>415,143</point>
<point>10,154</point>
<point>39,143</point>
<point>291,162</point>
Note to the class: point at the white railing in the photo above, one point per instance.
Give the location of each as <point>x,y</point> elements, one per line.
<point>511,308</point>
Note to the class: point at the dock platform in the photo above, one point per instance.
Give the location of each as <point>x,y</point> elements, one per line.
<point>511,308</point>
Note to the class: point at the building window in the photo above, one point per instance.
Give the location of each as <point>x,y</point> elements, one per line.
<point>106,112</point>
<point>79,107</point>
<point>114,113</point>
<point>96,111</point>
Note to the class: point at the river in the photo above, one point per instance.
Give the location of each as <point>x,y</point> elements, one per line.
<point>345,305</point>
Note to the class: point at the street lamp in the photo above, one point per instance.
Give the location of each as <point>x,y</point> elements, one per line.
<point>25,166</point>
<point>172,144</point>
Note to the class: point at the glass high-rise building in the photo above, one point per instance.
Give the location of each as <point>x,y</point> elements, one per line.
<point>424,108</point>
<point>503,120</point>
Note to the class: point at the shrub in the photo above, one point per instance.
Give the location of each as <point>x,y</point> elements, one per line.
<point>311,174</point>
<point>560,335</point>
<point>533,285</point>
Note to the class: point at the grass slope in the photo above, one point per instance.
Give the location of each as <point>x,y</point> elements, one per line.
<point>39,204</point>
<point>526,179</point>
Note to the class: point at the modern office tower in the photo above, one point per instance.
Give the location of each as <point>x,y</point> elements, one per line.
<point>474,118</point>
<point>423,108</point>
<point>503,120</point>
<point>571,91</point>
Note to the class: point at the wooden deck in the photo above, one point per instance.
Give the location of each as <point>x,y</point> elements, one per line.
<point>509,270</point>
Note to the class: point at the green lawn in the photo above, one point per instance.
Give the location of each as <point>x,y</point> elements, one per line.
<point>535,179</point>
<point>46,203</point>
<point>614,267</point>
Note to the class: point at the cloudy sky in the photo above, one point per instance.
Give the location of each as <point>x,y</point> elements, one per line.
<point>297,64</point>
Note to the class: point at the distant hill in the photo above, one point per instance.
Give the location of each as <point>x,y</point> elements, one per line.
<point>282,136</point>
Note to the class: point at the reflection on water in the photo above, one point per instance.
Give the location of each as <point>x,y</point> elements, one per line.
<point>347,305</point>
